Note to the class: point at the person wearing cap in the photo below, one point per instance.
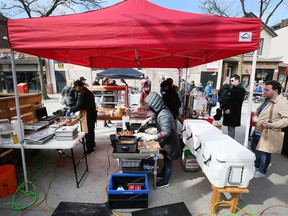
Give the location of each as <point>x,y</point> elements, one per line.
<point>144,94</point>
<point>146,81</point>
<point>88,114</point>
<point>198,91</point>
<point>82,79</point>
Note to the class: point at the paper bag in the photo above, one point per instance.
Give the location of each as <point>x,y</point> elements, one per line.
<point>271,141</point>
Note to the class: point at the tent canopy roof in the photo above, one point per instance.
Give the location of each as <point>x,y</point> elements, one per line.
<point>135,34</point>
<point>121,73</point>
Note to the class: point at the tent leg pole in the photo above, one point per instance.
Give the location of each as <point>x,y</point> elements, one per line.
<point>185,99</point>
<point>19,117</point>
<point>252,79</point>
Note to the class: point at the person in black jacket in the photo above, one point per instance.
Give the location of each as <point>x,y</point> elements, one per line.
<point>232,110</point>
<point>170,98</point>
<point>88,114</point>
<point>167,136</point>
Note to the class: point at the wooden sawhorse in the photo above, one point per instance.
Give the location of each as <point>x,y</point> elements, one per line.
<point>233,203</point>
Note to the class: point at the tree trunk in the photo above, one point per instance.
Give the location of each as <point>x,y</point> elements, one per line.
<point>42,80</point>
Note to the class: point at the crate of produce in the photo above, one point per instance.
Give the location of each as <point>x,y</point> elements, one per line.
<point>128,191</point>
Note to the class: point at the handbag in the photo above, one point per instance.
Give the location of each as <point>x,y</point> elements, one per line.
<point>271,141</point>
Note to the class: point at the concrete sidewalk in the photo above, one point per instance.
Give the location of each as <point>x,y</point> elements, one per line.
<point>191,188</point>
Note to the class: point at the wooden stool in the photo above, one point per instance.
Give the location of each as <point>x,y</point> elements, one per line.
<point>233,203</point>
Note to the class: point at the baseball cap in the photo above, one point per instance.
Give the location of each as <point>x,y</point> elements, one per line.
<point>78,83</point>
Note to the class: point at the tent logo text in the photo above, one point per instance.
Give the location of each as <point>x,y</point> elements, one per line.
<point>245,36</point>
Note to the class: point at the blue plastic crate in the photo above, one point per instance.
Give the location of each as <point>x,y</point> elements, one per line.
<point>128,198</point>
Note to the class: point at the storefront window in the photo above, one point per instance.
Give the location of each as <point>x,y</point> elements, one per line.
<point>31,78</point>
<point>263,75</point>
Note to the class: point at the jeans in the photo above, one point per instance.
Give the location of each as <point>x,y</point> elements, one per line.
<point>231,132</point>
<point>263,159</point>
<point>167,169</point>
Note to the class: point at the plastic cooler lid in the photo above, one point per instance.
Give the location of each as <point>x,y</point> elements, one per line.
<point>199,130</point>
<point>196,121</point>
<point>226,149</point>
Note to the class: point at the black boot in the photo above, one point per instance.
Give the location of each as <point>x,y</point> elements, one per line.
<point>105,124</point>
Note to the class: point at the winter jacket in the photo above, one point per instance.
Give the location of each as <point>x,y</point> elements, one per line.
<point>234,104</point>
<point>70,96</point>
<point>85,101</point>
<point>172,101</point>
<point>167,135</point>
<point>208,91</point>
<point>279,114</point>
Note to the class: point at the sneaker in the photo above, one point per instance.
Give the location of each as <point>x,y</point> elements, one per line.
<point>110,122</point>
<point>258,174</point>
<point>161,184</point>
<point>159,176</point>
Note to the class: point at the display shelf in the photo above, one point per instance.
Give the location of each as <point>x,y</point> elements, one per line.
<point>100,91</point>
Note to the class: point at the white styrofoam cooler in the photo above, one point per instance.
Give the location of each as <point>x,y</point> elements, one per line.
<point>224,161</point>
<point>192,128</point>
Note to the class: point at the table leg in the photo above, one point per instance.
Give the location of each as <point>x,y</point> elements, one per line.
<point>120,165</point>
<point>61,160</point>
<point>85,156</point>
<point>234,202</point>
<point>155,173</point>
<point>74,166</point>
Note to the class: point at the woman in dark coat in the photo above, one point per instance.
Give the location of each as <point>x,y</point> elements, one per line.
<point>69,94</point>
<point>167,135</point>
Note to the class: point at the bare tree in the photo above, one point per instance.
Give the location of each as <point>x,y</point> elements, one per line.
<point>265,9</point>
<point>41,8</point>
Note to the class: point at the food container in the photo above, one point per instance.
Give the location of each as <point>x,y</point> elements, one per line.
<point>126,144</point>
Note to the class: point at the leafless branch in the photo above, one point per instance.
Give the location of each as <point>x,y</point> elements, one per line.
<point>36,8</point>
<point>215,7</point>
<point>273,11</point>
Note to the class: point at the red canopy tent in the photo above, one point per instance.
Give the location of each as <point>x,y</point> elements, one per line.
<point>132,34</point>
<point>135,33</point>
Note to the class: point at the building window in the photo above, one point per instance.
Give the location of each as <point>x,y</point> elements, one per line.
<point>263,75</point>
<point>260,46</point>
<point>259,49</point>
